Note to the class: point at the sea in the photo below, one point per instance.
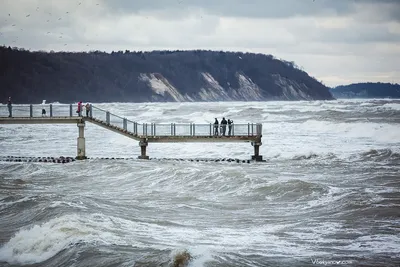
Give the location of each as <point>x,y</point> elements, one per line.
<point>328,193</point>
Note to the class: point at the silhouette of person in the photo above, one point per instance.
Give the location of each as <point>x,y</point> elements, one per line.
<point>223,126</point>
<point>9,105</point>
<point>87,106</point>
<point>216,126</point>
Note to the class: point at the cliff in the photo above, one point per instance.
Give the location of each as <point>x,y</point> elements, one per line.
<point>157,76</point>
<point>367,90</point>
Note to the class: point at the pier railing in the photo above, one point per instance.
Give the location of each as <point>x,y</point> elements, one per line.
<point>139,129</point>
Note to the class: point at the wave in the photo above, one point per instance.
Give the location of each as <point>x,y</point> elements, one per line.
<point>294,189</point>
<point>42,242</point>
<point>386,155</point>
<point>380,155</point>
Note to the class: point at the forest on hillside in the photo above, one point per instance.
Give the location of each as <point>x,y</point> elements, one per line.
<point>30,77</point>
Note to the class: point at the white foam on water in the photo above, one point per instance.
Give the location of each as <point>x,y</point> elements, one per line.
<point>41,242</point>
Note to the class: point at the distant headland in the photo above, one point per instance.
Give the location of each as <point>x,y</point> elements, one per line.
<point>367,90</point>
<point>157,76</point>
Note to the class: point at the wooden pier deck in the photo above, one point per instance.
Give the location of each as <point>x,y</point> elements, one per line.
<point>143,132</point>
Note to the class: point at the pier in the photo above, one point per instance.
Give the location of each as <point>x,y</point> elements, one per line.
<point>144,133</point>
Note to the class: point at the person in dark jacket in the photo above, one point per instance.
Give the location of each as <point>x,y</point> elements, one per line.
<point>9,105</point>
<point>216,126</point>
<point>223,126</point>
<point>87,106</point>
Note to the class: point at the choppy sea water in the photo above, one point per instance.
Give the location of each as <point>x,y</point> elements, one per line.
<point>328,193</point>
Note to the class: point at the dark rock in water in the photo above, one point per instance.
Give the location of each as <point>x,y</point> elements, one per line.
<point>181,259</point>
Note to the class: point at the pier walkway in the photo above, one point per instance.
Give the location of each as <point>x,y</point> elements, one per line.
<point>145,133</point>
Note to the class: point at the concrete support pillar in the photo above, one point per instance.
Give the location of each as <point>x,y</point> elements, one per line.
<point>256,155</point>
<point>81,153</point>
<point>143,145</point>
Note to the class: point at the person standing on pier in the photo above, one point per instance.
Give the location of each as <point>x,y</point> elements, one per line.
<point>87,106</point>
<point>216,126</point>
<point>230,124</point>
<point>223,126</point>
<point>9,105</point>
<point>79,110</point>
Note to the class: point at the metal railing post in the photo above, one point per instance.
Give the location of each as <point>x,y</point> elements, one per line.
<point>90,111</point>
<point>194,129</point>
<point>248,129</point>
<point>135,128</point>
<point>252,129</point>
<point>174,129</point>
<point>31,110</point>
<point>259,129</point>
<point>107,117</point>
<point>154,130</point>
<point>233,129</point>
<point>125,124</point>
<point>70,110</point>
<point>144,130</point>
<point>51,110</point>
<point>210,129</point>
<point>190,126</point>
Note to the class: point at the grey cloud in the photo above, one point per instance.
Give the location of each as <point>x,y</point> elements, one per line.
<point>255,8</point>
<point>236,8</point>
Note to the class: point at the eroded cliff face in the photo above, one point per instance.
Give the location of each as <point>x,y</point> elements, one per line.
<point>163,90</point>
<point>158,76</point>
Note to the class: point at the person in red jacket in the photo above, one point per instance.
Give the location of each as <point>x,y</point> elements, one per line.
<point>79,110</point>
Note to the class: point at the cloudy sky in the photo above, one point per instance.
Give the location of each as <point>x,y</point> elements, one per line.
<point>336,41</point>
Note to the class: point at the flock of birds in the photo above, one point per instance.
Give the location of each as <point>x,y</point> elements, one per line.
<point>50,19</point>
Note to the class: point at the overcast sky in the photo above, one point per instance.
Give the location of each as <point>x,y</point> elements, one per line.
<point>336,41</point>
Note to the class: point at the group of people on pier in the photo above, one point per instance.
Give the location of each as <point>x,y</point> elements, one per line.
<point>80,109</point>
<point>220,129</point>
